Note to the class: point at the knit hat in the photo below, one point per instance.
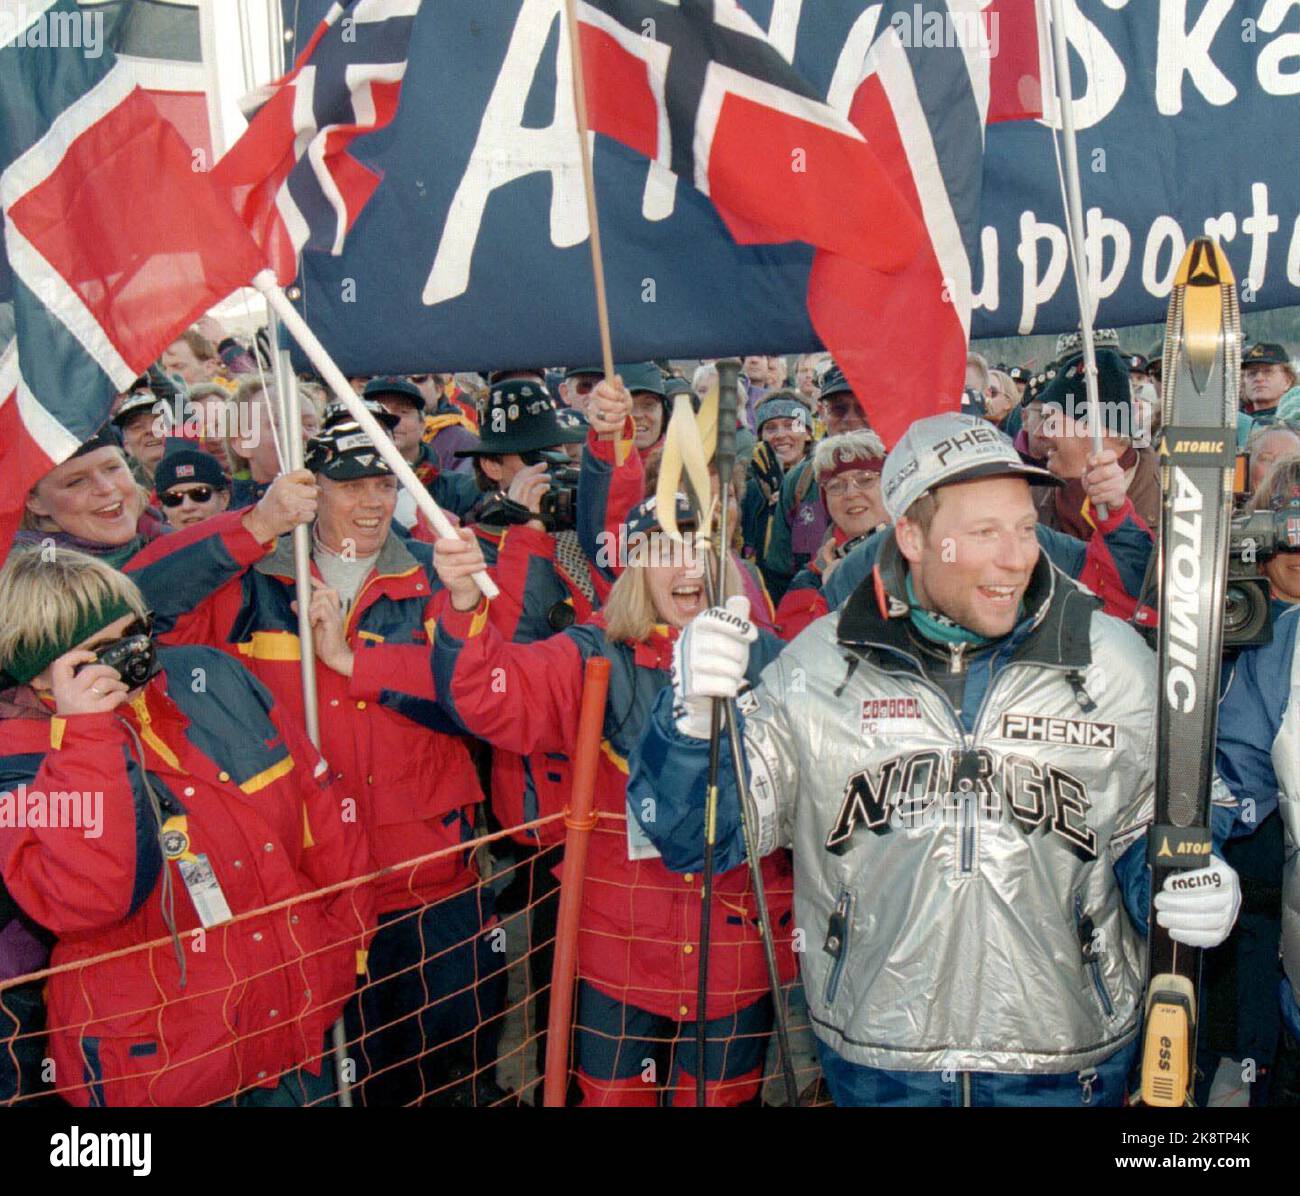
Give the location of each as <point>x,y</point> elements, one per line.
<point>39,656</point>
<point>188,465</point>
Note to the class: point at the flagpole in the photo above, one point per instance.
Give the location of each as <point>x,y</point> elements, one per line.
<point>319,357</point>
<point>593,218</point>
<point>1074,207</point>
<point>289,438</point>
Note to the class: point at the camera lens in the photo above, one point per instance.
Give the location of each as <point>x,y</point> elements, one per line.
<point>1245,614</point>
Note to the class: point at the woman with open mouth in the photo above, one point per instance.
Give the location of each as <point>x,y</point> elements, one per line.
<point>639,923</point>
<point>90,503</point>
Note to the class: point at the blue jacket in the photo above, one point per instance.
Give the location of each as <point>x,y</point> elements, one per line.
<point>1256,719</point>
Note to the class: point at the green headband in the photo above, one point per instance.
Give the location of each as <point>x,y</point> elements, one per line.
<point>34,660</point>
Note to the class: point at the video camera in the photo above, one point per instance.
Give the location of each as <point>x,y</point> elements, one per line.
<point>1255,537</point>
<point>559,505</point>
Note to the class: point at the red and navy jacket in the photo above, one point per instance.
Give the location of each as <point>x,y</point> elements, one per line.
<point>638,931</point>
<point>545,589</point>
<point>393,752</point>
<point>237,784</point>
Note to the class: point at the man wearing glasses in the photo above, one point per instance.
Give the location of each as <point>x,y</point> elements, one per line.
<point>191,487</point>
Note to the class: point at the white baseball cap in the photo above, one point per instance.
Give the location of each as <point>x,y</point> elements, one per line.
<point>947,448</point>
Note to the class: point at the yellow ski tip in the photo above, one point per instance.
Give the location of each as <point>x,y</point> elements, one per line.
<point>1167,1051</point>
<point>1203,274</point>
<point>1204,264</point>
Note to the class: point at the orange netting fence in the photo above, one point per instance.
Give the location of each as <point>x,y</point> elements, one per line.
<point>571,967</point>
<point>451,1009</point>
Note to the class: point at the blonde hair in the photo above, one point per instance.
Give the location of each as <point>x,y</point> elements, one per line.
<point>629,611</point>
<point>1004,380</point>
<point>45,600</point>
<point>200,346</point>
<point>30,521</point>
<point>207,390</point>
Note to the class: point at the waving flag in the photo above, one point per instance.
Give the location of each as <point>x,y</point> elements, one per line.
<point>113,244</point>
<point>924,107</point>
<point>698,88</point>
<point>294,181</point>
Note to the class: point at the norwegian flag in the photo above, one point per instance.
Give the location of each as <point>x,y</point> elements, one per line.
<point>697,87</point>
<point>295,184</point>
<point>888,194</point>
<point>925,107</point>
<point>113,243</point>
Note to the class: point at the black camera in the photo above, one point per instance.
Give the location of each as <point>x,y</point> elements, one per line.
<point>134,658</point>
<point>1255,538</point>
<point>559,505</point>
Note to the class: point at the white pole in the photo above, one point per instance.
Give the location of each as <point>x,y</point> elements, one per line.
<point>333,376</point>
<point>1074,203</point>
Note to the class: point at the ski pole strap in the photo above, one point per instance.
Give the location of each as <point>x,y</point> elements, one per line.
<point>1185,444</point>
<point>1180,846</point>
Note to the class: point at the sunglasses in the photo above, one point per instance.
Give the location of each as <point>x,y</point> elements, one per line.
<point>174,498</point>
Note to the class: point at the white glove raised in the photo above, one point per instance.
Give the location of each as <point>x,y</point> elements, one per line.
<point>1199,907</point>
<point>710,659</point>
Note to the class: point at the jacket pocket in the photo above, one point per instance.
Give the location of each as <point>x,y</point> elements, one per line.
<point>1090,949</point>
<point>837,942</point>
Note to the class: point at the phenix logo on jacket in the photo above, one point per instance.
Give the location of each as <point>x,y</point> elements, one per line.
<point>956,872</point>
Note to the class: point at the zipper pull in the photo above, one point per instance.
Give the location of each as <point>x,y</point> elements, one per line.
<point>1086,1081</point>
<point>958,652</point>
<point>1087,930</point>
<point>837,927</point>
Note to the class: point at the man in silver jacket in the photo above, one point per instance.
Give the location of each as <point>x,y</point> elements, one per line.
<point>962,760</point>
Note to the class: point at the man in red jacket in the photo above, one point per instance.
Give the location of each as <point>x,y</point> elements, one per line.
<point>429,1015</point>
<point>159,795</point>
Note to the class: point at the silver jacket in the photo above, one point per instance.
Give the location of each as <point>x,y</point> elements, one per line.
<point>957,891</point>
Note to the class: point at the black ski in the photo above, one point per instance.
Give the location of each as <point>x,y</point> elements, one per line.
<point>1202,362</point>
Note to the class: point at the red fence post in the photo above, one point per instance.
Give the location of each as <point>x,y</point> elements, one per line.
<point>579,819</point>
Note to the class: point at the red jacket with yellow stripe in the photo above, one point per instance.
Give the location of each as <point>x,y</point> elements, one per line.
<point>393,752</point>
<point>638,930</point>
<point>237,785</point>
<point>541,587</point>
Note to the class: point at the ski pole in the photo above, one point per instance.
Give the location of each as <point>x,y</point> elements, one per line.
<point>1074,205</point>
<point>724,456</point>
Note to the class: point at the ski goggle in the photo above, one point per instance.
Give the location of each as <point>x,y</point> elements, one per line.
<point>173,498</point>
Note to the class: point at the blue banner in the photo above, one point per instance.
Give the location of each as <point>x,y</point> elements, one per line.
<point>474,251</point>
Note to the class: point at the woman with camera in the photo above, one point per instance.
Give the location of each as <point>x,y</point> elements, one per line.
<point>638,927</point>
<point>398,762</point>
<point>157,794</point>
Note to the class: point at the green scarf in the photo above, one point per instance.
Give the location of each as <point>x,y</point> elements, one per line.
<point>938,630</point>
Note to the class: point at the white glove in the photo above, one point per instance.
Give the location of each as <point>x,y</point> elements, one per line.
<point>710,659</point>
<point>1199,907</point>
